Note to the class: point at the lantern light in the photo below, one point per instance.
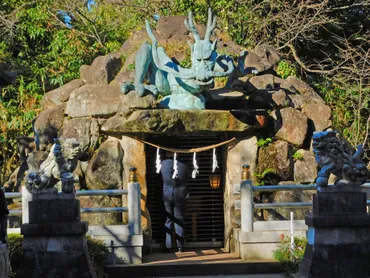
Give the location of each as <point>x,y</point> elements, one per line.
<point>215,181</point>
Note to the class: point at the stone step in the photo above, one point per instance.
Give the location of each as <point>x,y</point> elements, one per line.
<point>191,269</point>
<point>193,263</point>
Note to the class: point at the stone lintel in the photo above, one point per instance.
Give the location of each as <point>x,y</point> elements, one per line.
<point>54,229</point>
<point>158,121</point>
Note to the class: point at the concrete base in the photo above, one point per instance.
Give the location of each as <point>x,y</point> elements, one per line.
<point>125,248</point>
<point>338,236</point>
<point>54,242</point>
<point>4,261</point>
<point>265,238</point>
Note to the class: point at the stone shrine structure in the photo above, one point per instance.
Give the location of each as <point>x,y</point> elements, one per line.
<point>55,238</point>
<point>251,103</point>
<point>339,227</point>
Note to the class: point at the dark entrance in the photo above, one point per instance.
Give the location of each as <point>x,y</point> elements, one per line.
<point>204,220</point>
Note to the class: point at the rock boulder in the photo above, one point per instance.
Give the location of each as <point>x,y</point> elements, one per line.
<point>169,26</point>
<point>94,100</point>
<point>290,125</point>
<point>290,197</point>
<point>52,117</point>
<point>320,115</point>
<point>103,70</point>
<point>304,88</point>
<point>305,169</point>
<point>104,170</point>
<point>276,157</point>
<point>133,101</point>
<point>61,94</point>
<point>86,132</point>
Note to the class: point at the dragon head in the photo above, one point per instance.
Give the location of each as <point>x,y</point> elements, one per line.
<point>203,52</point>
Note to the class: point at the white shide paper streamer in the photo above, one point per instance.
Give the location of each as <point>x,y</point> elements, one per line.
<point>195,171</point>
<point>158,164</point>
<point>175,169</point>
<point>214,163</point>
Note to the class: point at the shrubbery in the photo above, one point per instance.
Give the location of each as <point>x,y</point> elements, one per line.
<point>97,250</point>
<point>288,257</point>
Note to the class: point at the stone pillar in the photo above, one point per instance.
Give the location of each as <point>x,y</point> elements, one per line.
<point>338,235</point>
<point>54,239</point>
<point>134,209</point>
<point>240,152</point>
<point>26,198</point>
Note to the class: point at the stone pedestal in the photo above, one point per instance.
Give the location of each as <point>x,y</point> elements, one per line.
<point>54,239</point>
<point>338,235</point>
<point>4,261</point>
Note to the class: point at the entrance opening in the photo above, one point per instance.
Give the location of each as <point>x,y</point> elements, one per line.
<point>204,219</point>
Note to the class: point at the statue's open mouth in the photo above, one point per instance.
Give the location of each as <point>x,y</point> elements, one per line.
<point>204,83</point>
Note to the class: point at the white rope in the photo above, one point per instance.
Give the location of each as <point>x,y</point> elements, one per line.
<point>158,164</point>
<point>214,163</point>
<point>195,171</point>
<point>175,169</point>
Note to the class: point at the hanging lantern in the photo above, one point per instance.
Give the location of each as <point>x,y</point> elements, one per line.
<point>215,181</point>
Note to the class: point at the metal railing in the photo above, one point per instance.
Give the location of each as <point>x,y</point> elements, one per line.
<point>133,208</point>
<point>248,206</point>
<point>113,192</point>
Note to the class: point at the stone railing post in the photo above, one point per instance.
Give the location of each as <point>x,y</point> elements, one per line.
<point>134,209</point>
<point>246,201</point>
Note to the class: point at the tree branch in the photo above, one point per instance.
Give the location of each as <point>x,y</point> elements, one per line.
<point>354,5</point>
<point>60,22</point>
<point>94,31</point>
<point>299,61</point>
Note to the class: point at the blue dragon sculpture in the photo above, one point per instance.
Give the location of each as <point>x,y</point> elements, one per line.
<point>181,87</point>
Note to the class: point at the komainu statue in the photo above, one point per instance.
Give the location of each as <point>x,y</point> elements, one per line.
<point>58,166</point>
<point>181,87</point>
<point>333,159</point>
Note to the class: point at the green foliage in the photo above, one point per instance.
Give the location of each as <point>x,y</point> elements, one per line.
<point>186,62</point>
<point>288,257</point>
<point>46,53</point>
<point>98,253</point>
<point>297,156</point>
<point>15,245</point>
<point>350,105</point>
<point>268,176</point>
<point>262,142</point>
<point>286,69</point>
<point>97,250</point>
<point>131,67</point>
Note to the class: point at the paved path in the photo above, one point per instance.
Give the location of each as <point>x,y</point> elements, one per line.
<point>196,256</point>
<point>198,263</point>
<point>232,276</point>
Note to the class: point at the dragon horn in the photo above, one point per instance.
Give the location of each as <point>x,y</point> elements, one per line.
<point>211,25</point>
<point>189,24</point>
